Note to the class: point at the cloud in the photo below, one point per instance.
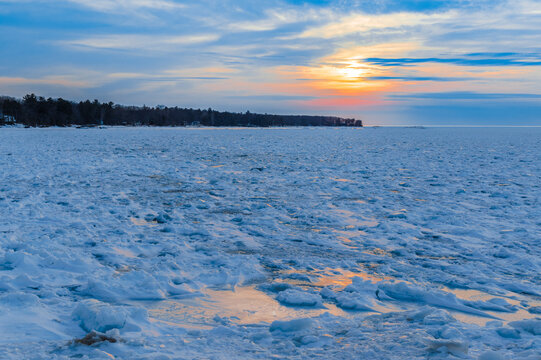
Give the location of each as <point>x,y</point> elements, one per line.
<point>160,77</point>
<point>127,5</point>
<point>274,19</point>
<point>57,80</point>
<point>492,54</point>
<point>141,42</point>
<point>272,97</point>
<point>361,22</point>
<point>419,78</point>
<point>464,61</point>
<point>465,95</point>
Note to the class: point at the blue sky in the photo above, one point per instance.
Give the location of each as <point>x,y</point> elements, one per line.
<point>384,61</point>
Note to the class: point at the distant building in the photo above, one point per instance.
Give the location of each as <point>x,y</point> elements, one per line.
<point>7,119</point>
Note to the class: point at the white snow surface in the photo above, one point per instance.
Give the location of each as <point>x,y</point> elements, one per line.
<point>301,243</point>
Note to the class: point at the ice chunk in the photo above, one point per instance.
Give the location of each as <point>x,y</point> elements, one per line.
<point>222,331</point>
<point>179,290</point>
<point>299,298</point>
<point>430,316</point>
<point>449,332</point>
<point>359,284</point>
<point>98,316</point>
<point>438,317</point>
<point>327,293</point>
<point>535,310</point>
<point>397,215</point>
<point>5,284</point>
<point>351,302</point>
<point>403,291</point>
<point>494,304</point>
<point>491,355</point>
<point>19,299</point>
<point>419,314</point>
<point>532,326</point>
<point>292,325</point>
<point>99,290</point>
<point>23,281</point>
<point>455,347</point>
<point>508,333</point>
<point>520,288</point>
<point>135,285</point>
<point>503,253</point>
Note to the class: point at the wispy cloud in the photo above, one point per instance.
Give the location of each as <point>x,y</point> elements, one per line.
<point>128,5</point>
<point>361,22</point>
<point>160,77</point>
<point>272,97</point>
<point>466,95</point>
<point>48,80</point>
<point>141,42</point>
<point>278,17</point>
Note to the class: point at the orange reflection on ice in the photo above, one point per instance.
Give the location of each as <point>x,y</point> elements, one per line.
<point>336,277</point>
<point>475,295</point>
<point>244,305</point>
<point>342,278</point>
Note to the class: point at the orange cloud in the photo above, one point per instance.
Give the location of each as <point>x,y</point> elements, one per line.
<point>344,73</point>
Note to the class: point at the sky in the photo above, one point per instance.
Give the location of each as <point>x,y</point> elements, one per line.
<point>387,62</point>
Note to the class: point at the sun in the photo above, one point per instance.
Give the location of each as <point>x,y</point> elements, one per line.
<point>344,76</point>
<point>351,72</point>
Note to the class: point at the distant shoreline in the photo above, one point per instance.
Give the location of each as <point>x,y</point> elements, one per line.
<point>105,127</point>
<point>36,111</point>
<point>284,127</point>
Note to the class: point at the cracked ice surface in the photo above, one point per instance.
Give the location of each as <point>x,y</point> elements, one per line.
<point>256,243</point>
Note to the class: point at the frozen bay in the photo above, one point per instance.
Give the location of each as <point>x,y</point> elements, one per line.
<point>376,243</point>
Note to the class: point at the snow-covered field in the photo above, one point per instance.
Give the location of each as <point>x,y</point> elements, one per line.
<point>270,243</point>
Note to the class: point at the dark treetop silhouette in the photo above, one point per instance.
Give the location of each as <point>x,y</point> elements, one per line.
<point>38,111</point>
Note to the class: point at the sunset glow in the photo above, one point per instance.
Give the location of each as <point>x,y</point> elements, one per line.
<point>385,62</point>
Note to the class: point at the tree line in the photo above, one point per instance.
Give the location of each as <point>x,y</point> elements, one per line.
<point>36,111</point>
